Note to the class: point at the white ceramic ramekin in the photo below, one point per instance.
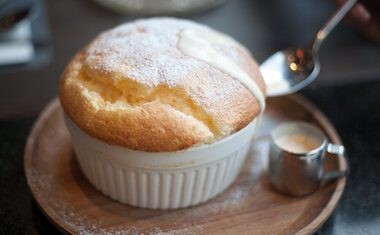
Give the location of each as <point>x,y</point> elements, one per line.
<point>161,180</point>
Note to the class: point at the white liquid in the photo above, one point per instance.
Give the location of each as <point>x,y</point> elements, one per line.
<point>198,44</point>
<point>297,143</point>
<point>274,78</point>
<point>274,82</point>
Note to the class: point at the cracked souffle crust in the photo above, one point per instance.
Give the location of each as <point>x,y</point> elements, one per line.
<point>133,87</point>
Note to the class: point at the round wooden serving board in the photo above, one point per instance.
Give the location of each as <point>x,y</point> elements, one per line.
<point>249,206</point>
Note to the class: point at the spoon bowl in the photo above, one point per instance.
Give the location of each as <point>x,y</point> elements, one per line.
<point>292,69</point>
<point>289,70</point>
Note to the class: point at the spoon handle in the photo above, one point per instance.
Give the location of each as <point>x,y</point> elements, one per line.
<point>331,23</point>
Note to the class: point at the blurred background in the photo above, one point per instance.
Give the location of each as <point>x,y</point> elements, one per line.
<point>39,37</point>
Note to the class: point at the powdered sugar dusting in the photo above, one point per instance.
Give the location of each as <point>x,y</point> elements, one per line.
<point>146,52</point>
<point>201,45</point>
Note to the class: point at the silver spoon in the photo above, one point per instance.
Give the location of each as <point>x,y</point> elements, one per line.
<point>292,69</point>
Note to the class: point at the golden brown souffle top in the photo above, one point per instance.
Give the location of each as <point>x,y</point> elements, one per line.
<point>133,87</point>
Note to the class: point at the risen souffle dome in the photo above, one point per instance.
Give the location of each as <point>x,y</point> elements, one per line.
<point>133,87</point>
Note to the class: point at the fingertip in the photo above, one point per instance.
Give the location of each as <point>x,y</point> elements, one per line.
<point>364,14</point>
<point>360,14</point>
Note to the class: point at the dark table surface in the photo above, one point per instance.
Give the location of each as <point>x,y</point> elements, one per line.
<point>347,91</point>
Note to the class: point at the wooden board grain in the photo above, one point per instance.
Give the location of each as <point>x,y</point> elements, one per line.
<point>249,206</point>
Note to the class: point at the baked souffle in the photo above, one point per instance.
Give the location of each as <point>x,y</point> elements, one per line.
<point>148,85</point>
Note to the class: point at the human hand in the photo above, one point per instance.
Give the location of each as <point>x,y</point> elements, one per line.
<point>365,16</point>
